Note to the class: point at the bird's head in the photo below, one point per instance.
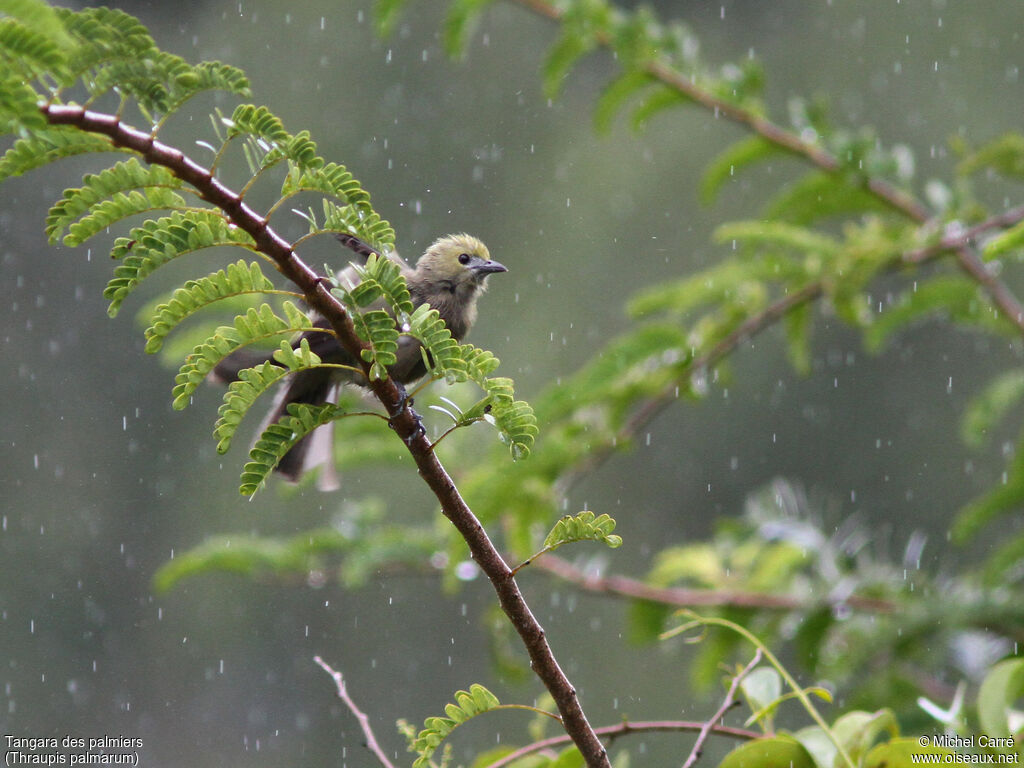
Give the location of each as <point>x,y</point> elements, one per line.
<point>458,265</point>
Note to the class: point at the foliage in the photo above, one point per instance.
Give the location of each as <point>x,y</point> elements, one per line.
<point>853,221</point>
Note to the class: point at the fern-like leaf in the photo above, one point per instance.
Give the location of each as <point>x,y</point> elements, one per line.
<point>777,233</point>
<point>468,704</point>
<point>19,109</point>
<point>237,279</point>
<point>250,556</point>
<point>51,144</point>
<point>253,382</point>
<point>743,153</point>
<point>186,81</point>
<point>386,14</point>
<point>256,325</point>
<point>279,438</point>
<point>1010,240</point>
<point>987,410</point>
<point>583,527</point>
<point>31,51</point>
<point>124,176</point>
<point>819,195</point>
<point>155,243</point>
<point>514,419</point>
<point>270,135</point>
<point>616,94</point>
<point>383,278</point>
<point>441,352</point>
<point>358,220</point>
<point>105,35</point>
<point>462,18</point>
<point>331,179</point>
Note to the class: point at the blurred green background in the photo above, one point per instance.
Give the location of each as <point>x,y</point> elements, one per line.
<point>102,482</point>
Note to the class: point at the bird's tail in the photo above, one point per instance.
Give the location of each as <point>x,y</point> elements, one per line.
<point>315,450</point>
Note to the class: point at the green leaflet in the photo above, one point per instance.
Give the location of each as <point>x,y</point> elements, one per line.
<point>126,176</point>
<point>386,14</point>
<point>253,382</point>
<point>238,279</point>
<point>468,704</point>
<point>156,243</point>
<point>33,51</point>
<point>820,195</point>
<point>442,354</point>
<point>254,326</point>
<point>584,526</point>
<point>1009,240</point>
<point>45,146</point>
<point>248,555</point>
<point>777,234</point>
<point>271,139</point>
<point>356,219</point>
<point>19,111</point>
<point>278,439</point>
<point>329,179</point>
<point>736,157</point>
<point>1005,155</point>
<point>514,419</point>
<point>617,93</point>
<point>383,277</point>
<point>958,298</point>
<point>1001,500</point>
<point>459,24</point>
<point>658,100</point>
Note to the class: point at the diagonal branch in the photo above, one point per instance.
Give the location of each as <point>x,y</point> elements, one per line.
<point>364,721</point>
<point>403,420</point>
<point>727,704</point>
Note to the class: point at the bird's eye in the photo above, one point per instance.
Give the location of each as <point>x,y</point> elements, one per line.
<point>463,258</point>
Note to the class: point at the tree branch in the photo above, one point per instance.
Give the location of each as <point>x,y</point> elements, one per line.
<point>633,589</point>
<point>402,419</point>
<point>727,703</point>
<point>626,728</point>
<point>364,721</point>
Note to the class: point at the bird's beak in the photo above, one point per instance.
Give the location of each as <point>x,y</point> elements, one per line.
<point>487,267</point>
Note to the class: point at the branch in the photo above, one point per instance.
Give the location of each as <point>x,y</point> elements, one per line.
<point>402,419</point>
<point>364,721</point>
<point>727,704</point>
<point>895,198</point>
<point>654,405</point>
<point>633,589</point>
<point>624,729</point>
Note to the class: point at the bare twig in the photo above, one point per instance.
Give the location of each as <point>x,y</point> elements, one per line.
<point>623,586</point>
<point>625,728</point>
<point>316,291</point>
<point>364,721</point>
<point>727,703</point>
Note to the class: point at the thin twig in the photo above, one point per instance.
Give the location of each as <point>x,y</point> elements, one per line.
<point>317,292</point>
<point>364,721</point>
<point>625,728</point>
<point>727,703</point>
<point>623,586</point>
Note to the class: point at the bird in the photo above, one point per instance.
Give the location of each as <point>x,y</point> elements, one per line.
<point>450,276</point>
